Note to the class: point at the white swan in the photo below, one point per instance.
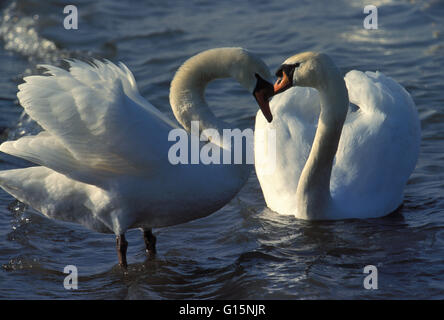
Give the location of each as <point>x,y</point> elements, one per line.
<point>103,154</point>
<point>335,160</point>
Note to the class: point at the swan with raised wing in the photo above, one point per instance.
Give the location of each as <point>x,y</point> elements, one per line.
<point>336,160</point>
<point>102,157</point>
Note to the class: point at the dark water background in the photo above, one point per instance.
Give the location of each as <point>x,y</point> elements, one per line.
<point>243,251</point>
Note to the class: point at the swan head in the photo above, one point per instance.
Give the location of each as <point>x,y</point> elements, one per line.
<point>307,69</point>
<point>237,63</point>
<point>253,74</point>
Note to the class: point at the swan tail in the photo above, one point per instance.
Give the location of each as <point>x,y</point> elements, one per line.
<point>55,196</point>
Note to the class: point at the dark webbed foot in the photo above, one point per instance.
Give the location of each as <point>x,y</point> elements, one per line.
<point>122,245</point>
<point>150,242</point>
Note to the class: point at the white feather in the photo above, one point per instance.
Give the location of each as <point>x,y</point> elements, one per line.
<point>85,108</point>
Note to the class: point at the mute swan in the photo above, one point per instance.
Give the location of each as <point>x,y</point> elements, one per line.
<point>103,154</point>
<point>353,162</point>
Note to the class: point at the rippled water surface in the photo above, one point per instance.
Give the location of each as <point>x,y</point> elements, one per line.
<point>243,250</point>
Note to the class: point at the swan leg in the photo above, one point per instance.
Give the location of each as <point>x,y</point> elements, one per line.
<point>122,245</point>
<point>150,242</point>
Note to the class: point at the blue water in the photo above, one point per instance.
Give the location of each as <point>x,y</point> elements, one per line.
<point>244,250</point>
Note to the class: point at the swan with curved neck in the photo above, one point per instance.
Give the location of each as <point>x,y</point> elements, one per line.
<point>338,167</point>
<point>103,153</point>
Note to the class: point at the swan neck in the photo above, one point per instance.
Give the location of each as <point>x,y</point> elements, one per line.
<point>187,92</point>
<point>314,195</point>
<point>187,95</point>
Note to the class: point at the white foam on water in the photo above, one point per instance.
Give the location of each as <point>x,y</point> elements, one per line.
<point>20,35</point>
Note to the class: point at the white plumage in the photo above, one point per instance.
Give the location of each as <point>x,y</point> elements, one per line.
<point>96,136</point>
<point>377,151</point>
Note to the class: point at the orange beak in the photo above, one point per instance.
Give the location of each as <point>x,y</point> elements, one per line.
<point>282,84</point>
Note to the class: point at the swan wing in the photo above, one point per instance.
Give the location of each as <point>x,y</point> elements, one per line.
<point>379,145</point>
<point>96,123</point>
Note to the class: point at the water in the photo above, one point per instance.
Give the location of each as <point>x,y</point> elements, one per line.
<point>244,250</point>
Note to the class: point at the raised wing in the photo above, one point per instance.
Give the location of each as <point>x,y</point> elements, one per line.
<point>96,123</point>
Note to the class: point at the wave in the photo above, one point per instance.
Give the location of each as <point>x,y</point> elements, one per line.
<point>20,35</point>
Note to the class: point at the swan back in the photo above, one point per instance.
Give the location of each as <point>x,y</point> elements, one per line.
<point>379,146</point>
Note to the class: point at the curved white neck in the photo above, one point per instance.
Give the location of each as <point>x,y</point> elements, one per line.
<point>187,92</point>
<point>313,192</point>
